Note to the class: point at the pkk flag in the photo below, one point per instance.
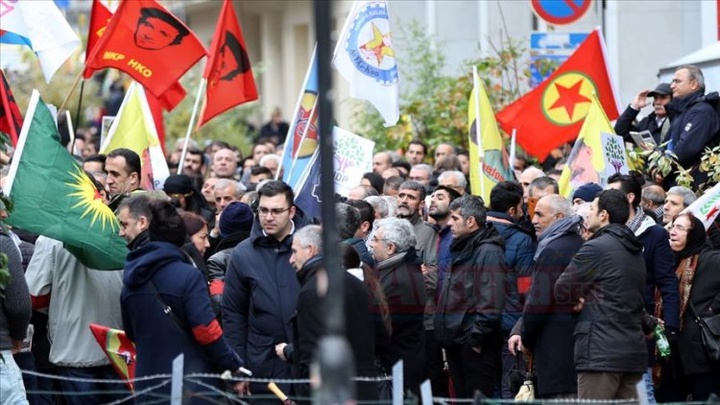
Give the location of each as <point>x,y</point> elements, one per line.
<point>54,197</point>
<point>40,25</point>
<point>586,162</point>
<point>134,128</point>
<point>100,15</point>
<point>302,141</point>
<point>552,113</point>
<point>10,118</point>
<point>119,350</point>
<point>147,42</point>
<point>229,76</point>
<point>365,57</point>
<point>488,158</point>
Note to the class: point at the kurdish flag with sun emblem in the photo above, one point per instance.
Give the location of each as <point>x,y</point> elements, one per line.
<point>53,197</point>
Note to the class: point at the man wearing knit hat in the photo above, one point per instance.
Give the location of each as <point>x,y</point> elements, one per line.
<point>585,193</point>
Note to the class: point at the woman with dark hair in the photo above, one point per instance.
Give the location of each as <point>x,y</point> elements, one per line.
<point>166,310</point>
<point>698,271</point>
<point>374,180</point>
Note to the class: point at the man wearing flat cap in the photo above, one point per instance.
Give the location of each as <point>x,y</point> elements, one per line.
<point>656,122</point>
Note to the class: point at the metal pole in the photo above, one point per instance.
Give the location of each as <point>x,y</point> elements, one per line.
<point>334,356</point>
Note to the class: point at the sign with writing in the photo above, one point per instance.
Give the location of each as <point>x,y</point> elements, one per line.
<point>353,158</point>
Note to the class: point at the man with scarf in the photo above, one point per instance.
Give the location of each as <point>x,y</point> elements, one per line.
<point>605,282</point>
<point>546,326</point>
<point>659,262</point>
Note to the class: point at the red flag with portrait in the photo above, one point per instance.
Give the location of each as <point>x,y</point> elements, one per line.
<point>553,113</point>
<point>229,76</point>
<point>144,40</point>
<point>10,118</point>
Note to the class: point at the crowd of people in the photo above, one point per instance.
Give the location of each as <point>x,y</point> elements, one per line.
<point>474,294</point>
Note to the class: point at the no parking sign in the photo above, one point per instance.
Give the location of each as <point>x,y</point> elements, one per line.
<point>560,12</point>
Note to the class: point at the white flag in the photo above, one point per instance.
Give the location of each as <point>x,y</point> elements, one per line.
<point>41,25</point>
<point>365,57</point>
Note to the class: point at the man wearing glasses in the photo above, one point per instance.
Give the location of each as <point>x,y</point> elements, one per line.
<point>261,288</point>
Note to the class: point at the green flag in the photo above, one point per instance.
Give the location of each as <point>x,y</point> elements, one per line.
<point>54,197</point>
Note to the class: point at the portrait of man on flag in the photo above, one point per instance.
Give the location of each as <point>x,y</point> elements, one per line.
<point>157,29</point>
<point>233,58</point>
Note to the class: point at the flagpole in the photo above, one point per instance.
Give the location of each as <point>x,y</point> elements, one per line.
<point>72,88</point>
<point>481,149</point>
<point>201,87</point>
<point>513,140</point>
<point>71,133</point>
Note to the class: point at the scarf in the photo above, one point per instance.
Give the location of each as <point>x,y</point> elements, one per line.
<point>556,230</point>
<point>686,273</point>
<point>637,220</point>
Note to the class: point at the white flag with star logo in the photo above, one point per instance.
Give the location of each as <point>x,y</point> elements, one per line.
<point>365,57</point>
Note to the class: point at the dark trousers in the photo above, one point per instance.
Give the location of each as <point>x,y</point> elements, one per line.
<point>510,363</point>
<point>471,371</point>
<point>599,385</point>
<point>91,393</point>
<point>434,365</point>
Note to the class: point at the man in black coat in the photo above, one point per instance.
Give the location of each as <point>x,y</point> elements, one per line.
<point>309,320</point>
<point>398,267</point>
<point>606,282</point>
<point>547,327</point>
<point>472,300</point>
<point>657,122</point>
<point>694,122</point>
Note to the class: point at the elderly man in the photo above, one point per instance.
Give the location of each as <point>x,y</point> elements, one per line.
<point>470,306</point>
<point>676,199</point>
<point>422,173</point>
<point>224,164</point>
<point>653,199</point>
<point>444,149</point>
<point>309,322</point>
<point>392,244</point>
<point>547,327</point>
<point>527,177</point>
<point>694,123</point>
<point>453,179</point>
<point>542,186</point>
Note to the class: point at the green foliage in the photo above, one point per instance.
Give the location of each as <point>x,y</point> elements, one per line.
<point>433,104</point>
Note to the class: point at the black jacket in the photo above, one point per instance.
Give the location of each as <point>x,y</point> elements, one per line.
<point>609,272</point>
<point>473,295</point>
<point>547,326</point>
<point>404,288</point>
<point>309,327</point>
<point>625,124</point>
<point>260,297</point>
<point>705,297</point>
<point>693,125</point>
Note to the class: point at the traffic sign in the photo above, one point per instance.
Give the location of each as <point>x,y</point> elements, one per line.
<point>548,50</point>
<point>560,12</point>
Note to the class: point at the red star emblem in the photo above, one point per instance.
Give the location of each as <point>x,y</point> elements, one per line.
<point>568,97</point>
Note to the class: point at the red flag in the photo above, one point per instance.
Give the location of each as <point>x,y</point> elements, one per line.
<point>147,42</point>
<point>10,118</point>
<point>229,75</point>
<point>552,113</point>
<point>156,109</point>
<point>99,18</point>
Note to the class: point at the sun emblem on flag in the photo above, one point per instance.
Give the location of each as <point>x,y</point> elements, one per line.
<point>370,44</point>
<point>566,100</point>
<point>90,201</point>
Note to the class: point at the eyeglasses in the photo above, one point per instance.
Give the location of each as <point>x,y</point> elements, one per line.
<point>178,196</point>
<point>272,211</point>
<point>680,228</point>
